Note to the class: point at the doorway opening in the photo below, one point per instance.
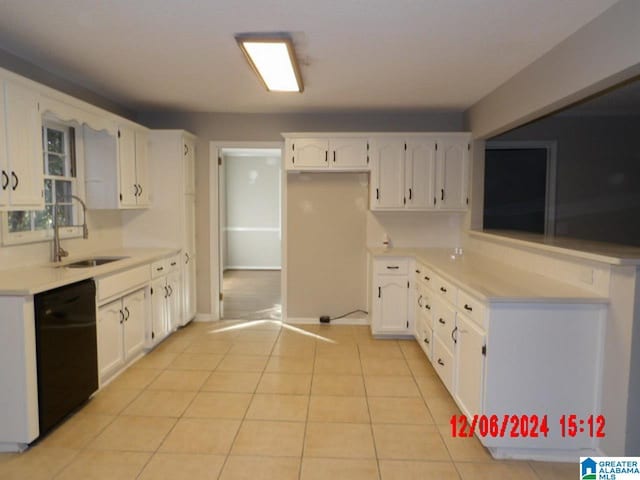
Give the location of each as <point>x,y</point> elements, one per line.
<point>250,233</point>
<point>519,187</point>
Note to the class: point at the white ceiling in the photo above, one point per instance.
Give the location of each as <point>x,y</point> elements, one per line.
<point>356,55</point>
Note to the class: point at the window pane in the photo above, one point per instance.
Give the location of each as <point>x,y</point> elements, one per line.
<point>63,191</point>
<point>55,140</point>
<point>48,198</point>
<point>65,215</point>
<point>44,218</point>
<point>19,221</point>
<point>56,165</point>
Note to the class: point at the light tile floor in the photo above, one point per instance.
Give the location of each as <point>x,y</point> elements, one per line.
<point>259,401</point>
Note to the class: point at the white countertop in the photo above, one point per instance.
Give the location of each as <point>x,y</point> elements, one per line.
<point>36,279</point>
<point>492,281</point>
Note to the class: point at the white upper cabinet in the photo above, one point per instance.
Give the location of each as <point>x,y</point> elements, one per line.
<point>189,150</point>
<point>387,183</point>
<point>21,172</point>
<point>327,153</point>
<point>452,174</point>
<point>420,166</point>
<point>142,169</point>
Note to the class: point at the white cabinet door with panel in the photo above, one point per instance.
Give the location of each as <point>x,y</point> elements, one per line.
<point>175,300</point>
<point>159,312</point>
<point>307,152</point>
<point>110,338</point>
<point>348,153</point>
<point>127,164</point>
<point>452,174</point>
<point>143,198</point>
<point>135,309</point>
<point>420,167</point>
<point>21,159</point>
<point>470,356</point>
<point>387,172</point>
<point>392,297</point>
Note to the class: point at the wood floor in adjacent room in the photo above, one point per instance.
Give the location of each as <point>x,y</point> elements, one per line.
<point>252,294</point>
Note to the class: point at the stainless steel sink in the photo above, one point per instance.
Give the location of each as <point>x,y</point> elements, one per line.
<point>92,262</point>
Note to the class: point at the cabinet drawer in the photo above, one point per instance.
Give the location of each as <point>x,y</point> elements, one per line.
<point>391,266</point>
<point>112,285</point>
<point>445,289</point>
<point>472,308</point>
<point>424,336</point>
<point>425,276</point>
<point>444,321</point>
<point>443,362</point>
<point>159,268</point>
<point>173,263</point>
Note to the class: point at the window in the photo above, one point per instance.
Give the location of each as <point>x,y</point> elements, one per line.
<point>60,182</point>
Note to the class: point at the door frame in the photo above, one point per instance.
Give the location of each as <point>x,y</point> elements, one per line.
<point>215,230</point>
<point>551,146</point>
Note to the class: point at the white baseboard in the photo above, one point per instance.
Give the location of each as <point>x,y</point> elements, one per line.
<point>339,321</point>
<point>204,317</point>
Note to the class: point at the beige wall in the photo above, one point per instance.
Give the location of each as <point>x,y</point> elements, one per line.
<point>599,55</point>
<point>267,127</point>
<point>326,243</point>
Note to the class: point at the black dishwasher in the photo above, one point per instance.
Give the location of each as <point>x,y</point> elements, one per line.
<point>66,350</point>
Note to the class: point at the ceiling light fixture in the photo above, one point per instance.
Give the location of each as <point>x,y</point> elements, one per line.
<point>273,59</point>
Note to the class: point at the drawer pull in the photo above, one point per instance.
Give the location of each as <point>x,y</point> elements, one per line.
<point>392,267</point>
<point>443,290</point>
<point>442,321</point>
<point>427,278</point>
<point>426,340</point>
<point>440,362</point>
<point>159,269</point>
<point>468,308</point>
<point>173,264</point>
<point>427,306</point>
<point>418,271</point>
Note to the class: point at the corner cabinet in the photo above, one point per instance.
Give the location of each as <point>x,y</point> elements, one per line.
<point>392,297</point>
<point>21,174</point>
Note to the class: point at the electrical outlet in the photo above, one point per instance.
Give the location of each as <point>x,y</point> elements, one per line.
<point>325,319</point>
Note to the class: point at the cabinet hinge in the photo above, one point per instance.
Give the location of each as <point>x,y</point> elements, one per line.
<point>118,133</point>
<point>404,200</point>
<point>468,146</point>
<point>407,323</point>
<point>467,200</point>
<point>484,350</point>
<point>367,146</point>
<point>153,335</point>
<point>151,290</point>
<point>221,296</point>
<point>219,160</point>
<point>367,158</point>
<point>405,146</point>
<point>408,284</point>
<point>120,197</point>
<point>434,200</point>
<point>293,147</point>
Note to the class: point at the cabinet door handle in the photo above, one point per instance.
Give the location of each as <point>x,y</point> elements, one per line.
<point>442,194</point>
<point>326,155</point>
<point>440,320</point>
<point>140,192</point>
<point>392,267</point>
<point>186,258</point>
<point>126,309</point>
<point>419,298</point>
<point>454,337</point>
<point>135,189</point>
<point>334,156</point>
<point>121,317</point>
<point>379,292</point>
<point>410,194</point>
<point>468,308</point>
<point>427,306</point>
<point>440,362</point>
<point>443,290</point>
<point>170,290</point>
<point>173,264</point>
<point>426,340</point>
<point>377,194</point>
<point>5,180</point>
<point>15,181</point>
<point>186,148</point>
<point>427,278</point>
<point>166,292</point>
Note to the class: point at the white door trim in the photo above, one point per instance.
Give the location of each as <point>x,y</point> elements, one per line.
<point>551,146</point>
<point>215,148</point>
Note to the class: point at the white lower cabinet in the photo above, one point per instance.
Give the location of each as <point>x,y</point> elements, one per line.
<point>166,299</point>
<point>470,356</point>
<point>392,297</point>
<point>121,332</point>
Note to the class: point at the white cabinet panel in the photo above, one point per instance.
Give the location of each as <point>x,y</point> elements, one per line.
<point>452,173</point>
<point>135,309</point>
<point>469,366</point>
<point>308,152</point>
<point>387,163</point>
<point>420,167</point>
<point>159,313</point>
<point>348,153</point>
<point>443,363</point>
<point>23,177</point>
<point>110,338</point>
<point>143,184</point>
<point>127,164</point>
<point>189,151</point>
<point>174,285</point>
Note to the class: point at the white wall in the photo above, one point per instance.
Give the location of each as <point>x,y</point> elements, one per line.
<point>252,192</point>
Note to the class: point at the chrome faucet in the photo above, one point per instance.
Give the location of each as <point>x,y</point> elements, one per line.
<point>58,251</point>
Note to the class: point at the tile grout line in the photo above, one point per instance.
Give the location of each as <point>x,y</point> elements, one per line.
<point>373,436</point>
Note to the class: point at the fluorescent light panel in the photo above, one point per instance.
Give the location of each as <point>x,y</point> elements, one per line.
<point>273,59</point>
